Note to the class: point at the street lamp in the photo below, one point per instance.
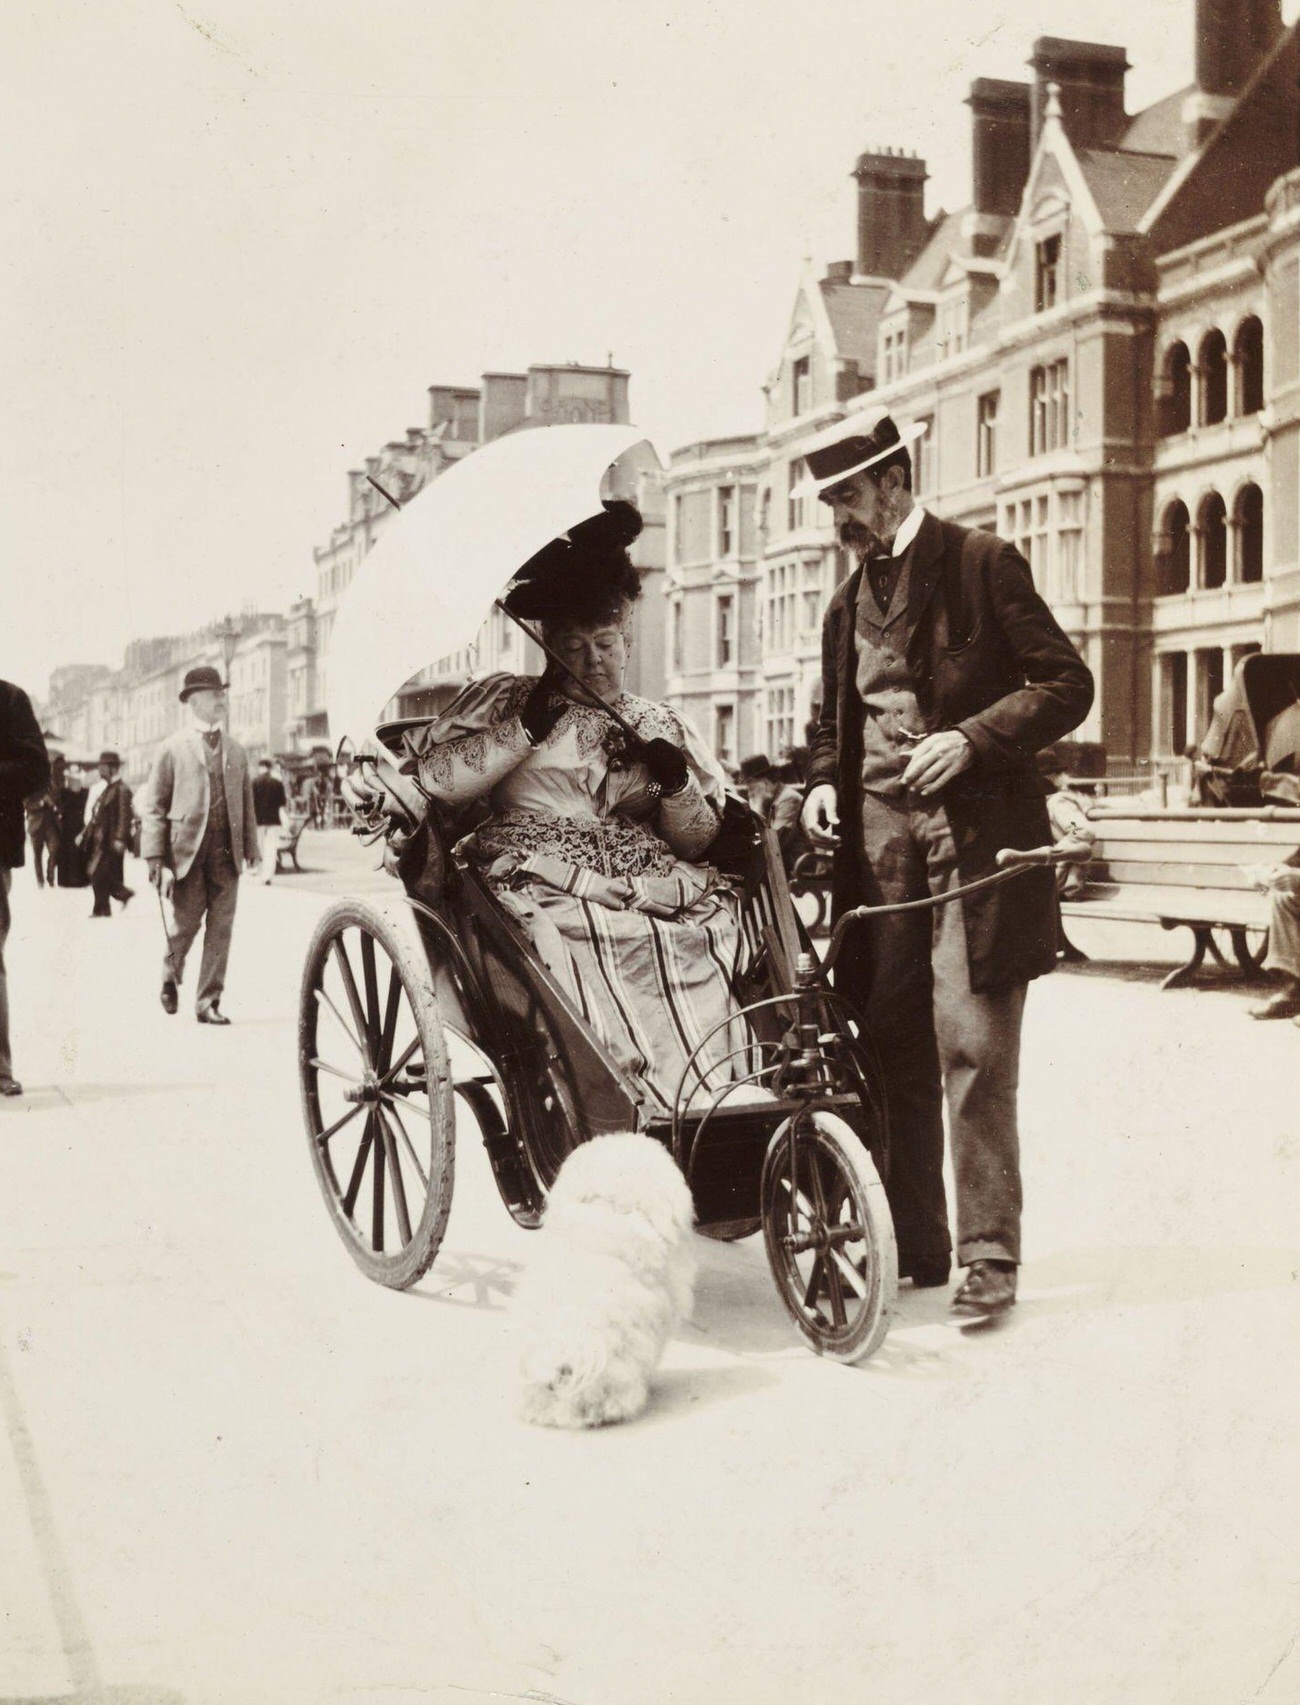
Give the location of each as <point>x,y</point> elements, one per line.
<point>229,633</point>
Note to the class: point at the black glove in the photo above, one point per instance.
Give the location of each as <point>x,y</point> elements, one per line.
<point>666,764</point>
<point>543,707</point>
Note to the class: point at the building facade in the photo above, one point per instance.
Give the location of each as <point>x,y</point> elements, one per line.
<point>1103,346</point>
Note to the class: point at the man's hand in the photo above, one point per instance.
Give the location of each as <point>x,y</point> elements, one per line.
<point>821,816</point>
<point>119,847</point>
<point>937,759</point>
<point>163,879</point>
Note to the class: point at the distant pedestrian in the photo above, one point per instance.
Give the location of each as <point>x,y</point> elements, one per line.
<point>107,835</point>
<point>24,770</point>
<point>198,831</point>
<point>269,801</point>
<point>42,812</point>
<point>71,869</point>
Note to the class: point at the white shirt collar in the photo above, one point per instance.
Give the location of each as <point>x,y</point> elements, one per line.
<point>206,727</point>
<point>909,529</point>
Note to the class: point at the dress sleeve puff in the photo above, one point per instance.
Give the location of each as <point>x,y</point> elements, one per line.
<point>478,739</point>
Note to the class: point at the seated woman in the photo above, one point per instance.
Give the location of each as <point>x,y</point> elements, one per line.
<point>594,840</point>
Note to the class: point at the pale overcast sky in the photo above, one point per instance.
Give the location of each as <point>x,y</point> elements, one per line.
<point>238,239</point>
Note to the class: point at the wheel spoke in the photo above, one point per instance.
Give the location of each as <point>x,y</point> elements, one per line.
<point>350,988</point>
<point>377,1194</point>
<point>395,1174</point>
<point>358,1168</point>
<point>346,1027</point>
<point>397,1065</point>
<point>410,1147</point>
<point>390,1021</point>
<point>338,1125</point>
<point>814,1282</point>
<point>325,1066</point>
<point>371,983</point>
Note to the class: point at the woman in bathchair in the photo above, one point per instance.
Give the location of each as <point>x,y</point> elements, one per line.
<point>595,842</point>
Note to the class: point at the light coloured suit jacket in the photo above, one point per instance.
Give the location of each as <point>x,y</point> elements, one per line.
<point>175,809</point>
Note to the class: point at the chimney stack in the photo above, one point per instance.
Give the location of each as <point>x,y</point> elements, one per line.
<point>1000,127</point>
<point>891,212</point>
<point>1090,76</point>
<point>1232,37</point>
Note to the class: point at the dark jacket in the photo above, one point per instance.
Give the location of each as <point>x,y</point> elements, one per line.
<point>24,769</point>
<point>109,824</point>
<point>988,657</point>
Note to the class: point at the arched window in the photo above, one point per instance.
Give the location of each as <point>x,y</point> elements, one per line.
<point>1174,392</point>
<point>1173,551</point>
<point>1212,525</point>
<point>1214,378</point>
<point>1248,360</point>
<point>1248,513</point>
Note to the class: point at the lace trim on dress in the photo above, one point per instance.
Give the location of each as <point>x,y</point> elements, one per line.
<point>616,847</point>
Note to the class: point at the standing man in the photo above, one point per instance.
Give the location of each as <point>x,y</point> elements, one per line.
<point>198,831</point>
<point>24,770</point>
<point>944,673</point>
<point>107,835</point>
<point>269,801</point>
<point>42,811</point>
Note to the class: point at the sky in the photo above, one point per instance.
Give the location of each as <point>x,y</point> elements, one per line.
<point>240,238</point>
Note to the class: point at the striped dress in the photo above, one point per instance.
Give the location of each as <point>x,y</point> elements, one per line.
<point>645,943</point>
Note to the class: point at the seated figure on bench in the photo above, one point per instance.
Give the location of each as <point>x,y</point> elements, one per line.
<point>1282,884</point>
<point>594,842</point>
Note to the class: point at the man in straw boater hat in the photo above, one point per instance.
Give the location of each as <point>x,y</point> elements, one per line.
<point>198,830</point>
<point>944,672</point>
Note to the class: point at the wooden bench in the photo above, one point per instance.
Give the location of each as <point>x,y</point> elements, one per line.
<point>287,837</point>
<point>1182,870</point>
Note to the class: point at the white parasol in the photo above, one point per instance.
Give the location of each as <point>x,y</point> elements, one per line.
<point>426,588</point>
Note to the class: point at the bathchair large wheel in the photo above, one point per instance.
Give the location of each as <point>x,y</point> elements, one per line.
<point>376,1089</point>
<point>829,1235</point>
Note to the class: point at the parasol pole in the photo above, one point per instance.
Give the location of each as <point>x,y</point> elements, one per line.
<point>538,641</point>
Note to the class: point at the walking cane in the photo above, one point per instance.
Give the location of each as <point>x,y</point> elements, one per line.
<point>171,950</point>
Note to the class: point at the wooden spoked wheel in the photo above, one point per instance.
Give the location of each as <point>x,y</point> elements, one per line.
<point>829,1235</point>
<point>376,1090</point>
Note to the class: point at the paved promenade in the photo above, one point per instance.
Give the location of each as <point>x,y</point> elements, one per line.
<point>234,1472</point>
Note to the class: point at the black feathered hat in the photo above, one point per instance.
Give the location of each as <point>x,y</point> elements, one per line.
<point>585,574</point>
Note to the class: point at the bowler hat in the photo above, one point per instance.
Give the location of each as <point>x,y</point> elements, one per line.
<point>197,679</point>
<point>756,768</point>
<point>110,758</point>
<point>851,446</point>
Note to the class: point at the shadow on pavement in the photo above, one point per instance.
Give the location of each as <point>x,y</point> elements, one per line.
<point>489,1280</point>
<point>52,1097</point>
<point>124,1693</point>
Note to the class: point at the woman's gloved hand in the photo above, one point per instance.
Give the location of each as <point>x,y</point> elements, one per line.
<point>543,707</point>
<point>666,764</point>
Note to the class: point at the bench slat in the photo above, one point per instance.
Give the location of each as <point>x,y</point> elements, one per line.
<point>1205,878</point>
<point>1188,830</point>
<point>1246,910</point>
<point>1221,856</point>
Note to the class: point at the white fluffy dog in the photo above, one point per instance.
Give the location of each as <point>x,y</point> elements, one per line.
<point>613,1275</point>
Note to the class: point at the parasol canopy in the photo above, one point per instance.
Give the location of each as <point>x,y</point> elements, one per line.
<point>426,588</point>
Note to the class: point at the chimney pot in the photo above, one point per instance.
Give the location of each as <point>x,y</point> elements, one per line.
<point>1090,82</point>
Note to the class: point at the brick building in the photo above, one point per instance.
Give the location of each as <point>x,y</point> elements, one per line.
<point>1104,345</point>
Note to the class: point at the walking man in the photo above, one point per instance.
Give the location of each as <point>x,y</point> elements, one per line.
<point>944,673</point>
<point>198,832</point>
<point>24,769</point>
<point>269,800</point>
<point>107,835</point>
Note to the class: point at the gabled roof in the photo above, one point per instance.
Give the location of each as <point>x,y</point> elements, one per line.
<point>854,312</point>
<point>1124,183</point>
<point>1159,128</point>
<point>946,239</point>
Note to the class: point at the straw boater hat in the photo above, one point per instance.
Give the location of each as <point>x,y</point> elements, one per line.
<point>851,447</point>
<point>197,679</point>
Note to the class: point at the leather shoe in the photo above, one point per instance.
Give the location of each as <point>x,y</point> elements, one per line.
<point>926,1275</point>
<point>211,1015</point>
<point>11,1085</point>
<point>167,996</point>
<point>989,1288</point>
<point>1284,1004</point>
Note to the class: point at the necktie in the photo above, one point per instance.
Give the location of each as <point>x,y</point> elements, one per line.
<point>213,738</point>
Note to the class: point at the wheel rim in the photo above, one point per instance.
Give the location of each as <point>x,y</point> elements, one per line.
<point>365,1074</point>
<point>823,1235</point>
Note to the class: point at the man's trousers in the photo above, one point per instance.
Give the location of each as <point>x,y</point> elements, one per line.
<point>934,1036</point>
<point>209,889</point>
<point>45,851</point>
<point>106,882</point>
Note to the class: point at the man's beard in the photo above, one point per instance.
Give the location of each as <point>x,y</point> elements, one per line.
<point>857,537</point>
